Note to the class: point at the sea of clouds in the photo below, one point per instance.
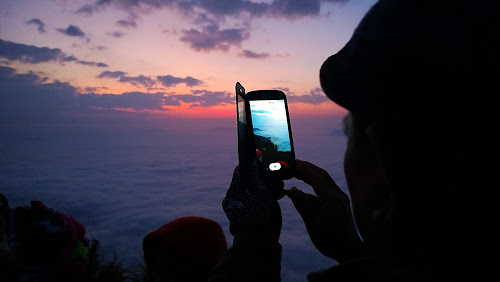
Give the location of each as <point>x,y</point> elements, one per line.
<point>122,182</point>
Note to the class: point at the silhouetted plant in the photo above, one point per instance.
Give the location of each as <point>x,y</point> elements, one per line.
<point>112,270</point>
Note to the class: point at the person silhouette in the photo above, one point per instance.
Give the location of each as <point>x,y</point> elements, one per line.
<point>415,76</point>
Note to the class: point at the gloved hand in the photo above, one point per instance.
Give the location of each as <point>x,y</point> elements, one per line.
<point>253,209</point>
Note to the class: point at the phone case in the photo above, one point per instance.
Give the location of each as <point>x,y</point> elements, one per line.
<point>244,135</point>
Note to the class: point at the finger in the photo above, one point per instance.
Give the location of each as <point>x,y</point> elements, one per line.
<point>307,172</point>
<point>304,166</point>
<point>315,176</point>
<point>306,204</point>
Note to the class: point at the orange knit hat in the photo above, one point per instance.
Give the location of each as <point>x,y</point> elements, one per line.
<point>193,241</point>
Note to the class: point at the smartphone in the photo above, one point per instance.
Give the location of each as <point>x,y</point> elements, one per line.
<point>271,134</point>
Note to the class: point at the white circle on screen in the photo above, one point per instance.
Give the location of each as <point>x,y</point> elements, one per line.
<point>274,166</point>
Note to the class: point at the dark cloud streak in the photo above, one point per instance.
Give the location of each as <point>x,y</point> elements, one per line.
<point>213,38</point>
<point>294,8</point>
<point>72,30</point>
<point>143,80</point>
<point>169,81</point>
<point>200,98</point>
<point>111,74</point>
<point>29,53</point>
<point>138,80</point>
<point>315,97</point>
<point>92,64</point>
<point>40,25</point>
<point>126,23</point>
<point>253,55</point>
<point>34,55</point>
<point>148,82</point>
<point>88,9</point>
<point>116,34</point>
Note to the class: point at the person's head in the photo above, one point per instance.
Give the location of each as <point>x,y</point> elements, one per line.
<point>416,78</point>
<point>184,249</point>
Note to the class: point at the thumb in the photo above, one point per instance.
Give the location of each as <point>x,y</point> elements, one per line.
<point>303,202</point>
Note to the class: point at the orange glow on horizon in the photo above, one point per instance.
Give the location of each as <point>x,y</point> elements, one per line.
<point>190,110</point>
<point>326,108</point>
<point>228,110</point>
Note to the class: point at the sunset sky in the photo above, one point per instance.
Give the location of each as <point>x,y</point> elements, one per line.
<point>172,57</point>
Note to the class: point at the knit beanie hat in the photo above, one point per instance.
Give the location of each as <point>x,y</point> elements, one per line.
<point>196,244</point>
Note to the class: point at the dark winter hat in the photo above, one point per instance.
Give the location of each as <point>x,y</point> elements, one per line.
<point>400,48</point>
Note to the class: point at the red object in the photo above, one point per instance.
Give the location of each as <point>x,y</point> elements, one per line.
<point>283,163</point>
<point>259,153</point>
<point>193,238</point>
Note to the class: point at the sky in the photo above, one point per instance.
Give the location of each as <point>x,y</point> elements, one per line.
<point>166,57</point>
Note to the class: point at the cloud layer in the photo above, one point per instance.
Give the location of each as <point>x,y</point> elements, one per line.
<point>213,38</point>
<point>34,55</point>
<point>208,17</point>
<point>123,182</point>
<point>148,82</point>
<point>29,96</point>
<point>278,8</point>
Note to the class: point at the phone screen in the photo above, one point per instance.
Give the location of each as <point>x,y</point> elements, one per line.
<point>273,144</point>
